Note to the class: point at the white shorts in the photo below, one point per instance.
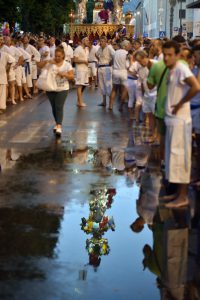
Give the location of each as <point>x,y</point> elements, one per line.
<point>82,77</point>
<point>92,69</point>
<point>120,77</point>
<point>196,120</point>
<point>148,105</point>
<point>3,96</point>
<point>139,95</point>
<point>19,75</point>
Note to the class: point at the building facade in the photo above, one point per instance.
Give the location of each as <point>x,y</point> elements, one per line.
<point>166,17</point>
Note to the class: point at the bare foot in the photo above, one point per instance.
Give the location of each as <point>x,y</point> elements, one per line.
<point>168,197</point>
<point>81,104</point>
<point>178,202</point>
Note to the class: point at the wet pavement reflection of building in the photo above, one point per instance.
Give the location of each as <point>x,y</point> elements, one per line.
<point>104,176</point>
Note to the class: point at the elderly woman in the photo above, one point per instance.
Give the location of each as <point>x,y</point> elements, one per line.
<point>64,73</point>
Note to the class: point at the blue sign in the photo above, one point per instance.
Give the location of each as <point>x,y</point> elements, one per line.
<point>145,35</point>
<point>162,34</point>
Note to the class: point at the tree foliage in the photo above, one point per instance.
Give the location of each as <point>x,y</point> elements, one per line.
<point>36,15</point>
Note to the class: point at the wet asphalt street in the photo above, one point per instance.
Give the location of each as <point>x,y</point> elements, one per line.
<point>66,206</point>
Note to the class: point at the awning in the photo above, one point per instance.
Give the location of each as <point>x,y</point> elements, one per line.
<point>195,4</point>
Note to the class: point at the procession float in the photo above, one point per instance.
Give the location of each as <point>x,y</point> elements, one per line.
<point>94,18</point>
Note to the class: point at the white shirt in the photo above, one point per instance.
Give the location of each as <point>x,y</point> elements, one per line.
<point>35,55</point>
<point>177,89</point>
<point>42,51</point>
<point>120,60</point>
<point>62,83</point>
<point>69,53</point>
<point>105,55</point>
<point>93,51</point>
<point>133,69</point>
<point>25,54</point>
<point>5,59</point>
<point>52,51</point>
<point>82,54</point>
<point>159,57</point>
<point>13,51</point>
<point>143,74</point>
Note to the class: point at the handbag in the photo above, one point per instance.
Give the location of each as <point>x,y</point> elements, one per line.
<point>47,80</point>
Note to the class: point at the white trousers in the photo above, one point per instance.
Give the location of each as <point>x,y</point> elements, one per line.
<point>132,92</point>
<point>105,80</point>
<point>178,149</point>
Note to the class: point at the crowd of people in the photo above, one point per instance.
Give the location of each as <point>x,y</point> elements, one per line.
<point>158,79</point>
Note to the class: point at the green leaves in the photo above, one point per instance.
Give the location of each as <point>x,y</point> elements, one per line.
<point>35,16</point>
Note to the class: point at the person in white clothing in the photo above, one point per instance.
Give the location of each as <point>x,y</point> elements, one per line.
<point>92,63</point>
<point>5,62</point>
<point>31,74</point>
<point>132,84</point>
<point>43,49</point>
<point>182,86</point>
<point>120,73</point>
<point>81,54</point>
<point>69,53</point>
<point>27,61</point>
<point>52,46</point>
<point>15,74</point>
<point>105,56</point>
<point>149,96</point>
<point>157,50</point>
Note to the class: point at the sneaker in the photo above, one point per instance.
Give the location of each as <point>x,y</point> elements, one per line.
<point>58,132</point>
<point>54,129</point>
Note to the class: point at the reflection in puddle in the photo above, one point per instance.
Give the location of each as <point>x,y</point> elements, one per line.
<point>97,224</point>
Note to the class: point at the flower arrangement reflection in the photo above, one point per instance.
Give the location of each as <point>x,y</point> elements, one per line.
<point>98,223</point>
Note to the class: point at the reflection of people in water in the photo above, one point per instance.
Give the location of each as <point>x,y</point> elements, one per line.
<point>168,258</point>
<point>148,200</point>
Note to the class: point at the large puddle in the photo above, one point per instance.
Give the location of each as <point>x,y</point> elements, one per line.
<point>86,223</point>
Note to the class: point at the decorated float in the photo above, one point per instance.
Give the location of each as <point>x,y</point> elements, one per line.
<point>94,18</point>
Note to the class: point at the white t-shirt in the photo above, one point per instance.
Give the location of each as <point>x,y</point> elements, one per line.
<point>62,83</point>
<point>93,51</point>
<point>5,59</point>
<point>13,51</point>
<point>25,54</point>
<point>69,53</point>
<point>177,89</point>
<point>82,54</point>
<point>159,57</point>
<point>120,60</point>
<point>52,51</point>
<point>35,55</point>
<point>143,74</point>
<point>42,51</point>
